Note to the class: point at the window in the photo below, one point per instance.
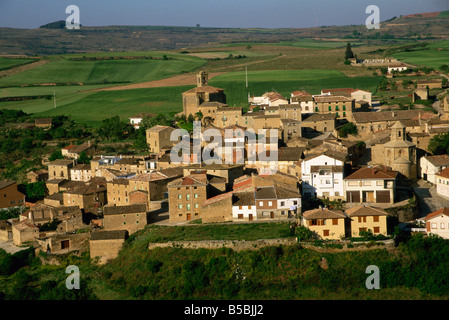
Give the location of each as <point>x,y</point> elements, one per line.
<point>188,196</point>
<point>326,233</point>
<point>270,203</point>
<point>260,203</point>
<point>179,196</point>
<point>441,225</point>
<point>179,206</point>
<point>362,219</point>
<point>282,203</point>
<point>334,222</point>
<point>188,206</point>
<point>434,225</point>
<point>376,219</point>
<point>330,108</point>
<point>376,229</point>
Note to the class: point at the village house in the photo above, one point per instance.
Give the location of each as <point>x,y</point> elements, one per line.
<point>106,245</point>
<point>288,161</point>
<point>89,197</point>
<point>437,223</point>
<point>343,107</point>
<point>39,175</point>
<point>24,232</point>
<point>442,183</point>
<point>60,169</point>
<point>370,185</point>
<point>10,196</point>
<point>137,119</point>
<point>186,195</point>
<point>61,185</point>
<point>420,94</point>
<point>366,218</point>
<point>291,129</point>
<point>102,161</point>
<point>430,83</point>
<point>81,172</point>
<point>269,99</point>
<point>158,138</point>
<point>74,151</point>
<point>396,67</point>
<point>44,123</point>
<point>244,206</point>
<point>357,94</point>
<point>131,217</point>
<point>431,165</point>
<point>326,224</point>
<point>63,243</point>
<point>316,123</point>
<point>322,175</point>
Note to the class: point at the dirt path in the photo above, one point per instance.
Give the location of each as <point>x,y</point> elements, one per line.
<point>19,69</point>
<point>179,80</point>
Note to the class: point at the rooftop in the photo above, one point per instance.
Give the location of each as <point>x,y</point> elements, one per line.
<point>132,208</point>
<point>372,173</point>
<point>365,211</point>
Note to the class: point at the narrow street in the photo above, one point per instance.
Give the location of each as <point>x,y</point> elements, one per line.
<point>428,199</point>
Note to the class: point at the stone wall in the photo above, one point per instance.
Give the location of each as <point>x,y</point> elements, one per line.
<point>105,250</point>
<point>236,245</point>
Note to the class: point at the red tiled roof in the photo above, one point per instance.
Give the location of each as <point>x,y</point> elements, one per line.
<point>444,173</point>
<point>444,211</point>
<point>372,173</point>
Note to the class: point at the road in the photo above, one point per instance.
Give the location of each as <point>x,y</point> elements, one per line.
<point>428,199</point>
<point>9,247</point>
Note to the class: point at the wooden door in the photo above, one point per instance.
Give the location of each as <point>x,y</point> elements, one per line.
<point>189,216</point>
<point>250,217</point>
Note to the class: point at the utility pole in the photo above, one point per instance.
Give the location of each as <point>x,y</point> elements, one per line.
<point>246,74</point>
<point>54,98</point>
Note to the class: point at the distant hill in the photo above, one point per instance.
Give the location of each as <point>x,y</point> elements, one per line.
<point>54,25</point>
<point>41,41</point>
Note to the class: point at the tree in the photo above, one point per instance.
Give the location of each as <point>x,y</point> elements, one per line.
<point>149,122</point>
<point>56,155</point>
<point>439,144</point>
<point>34,191</point>
<point>348,128</point>
<point>84,158</point>
<point>348,53</point>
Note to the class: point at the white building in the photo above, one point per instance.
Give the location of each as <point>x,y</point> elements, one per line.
<point>442,182</point>
<point>137,119</point>
<point>322,175</point>
<point>438,223</point>
<point>244,208</point>
<point>370,185</point>
<point>431,165</point>
<point>396,67</point>
<point>81,172</point>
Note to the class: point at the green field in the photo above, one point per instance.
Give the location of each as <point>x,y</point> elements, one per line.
<point>94,72</point>
<point>6,63</point>
<point>434,55</point>
<point>285,82</point>
<point>92,108</point>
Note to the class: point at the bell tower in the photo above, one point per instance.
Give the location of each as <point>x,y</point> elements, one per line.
<point>201,79</point>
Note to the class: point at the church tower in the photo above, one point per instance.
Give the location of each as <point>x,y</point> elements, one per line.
<point>202,79</point>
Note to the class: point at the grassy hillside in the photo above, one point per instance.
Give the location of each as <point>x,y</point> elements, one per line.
<point>64,70</point>
<point>433,55</point>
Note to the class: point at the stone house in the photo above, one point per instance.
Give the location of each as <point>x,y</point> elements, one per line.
<point>81,172</point>
<point>44,123</point>
<point>10,196</point>
<point>365,217</point>
<point>158,138</point>
<point>24,232</point>
<point>63,243</point>
<point>420,94</point>
<point>318,123</point>
<point>39,175</point>
<point>343,107</point>
<point>131,217</point>
<point>106,245</point>
<point>430,83</point>
<point>74,151</point>
<point>357,94</point>
<point>60,169</point>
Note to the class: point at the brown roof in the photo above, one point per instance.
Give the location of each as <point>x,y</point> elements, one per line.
<point>372,173</point>
<point>444,173</point>
<point>266,193</point>
<point>442,211</point>
<point>320,117</point>
<point>158,128</point>
<point>132,208</point>
<point>323,213</point>
<point>207,89</point>
<point>43,121</point>
<point>365,211</point>
<point>60,162</point>
<point>332,99</point>
<point>244,199</point>
<point>332,154</point>
<point>439,160</point>
<point>360,117</point>
<point>315,169</point>
<point>6,183</point>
